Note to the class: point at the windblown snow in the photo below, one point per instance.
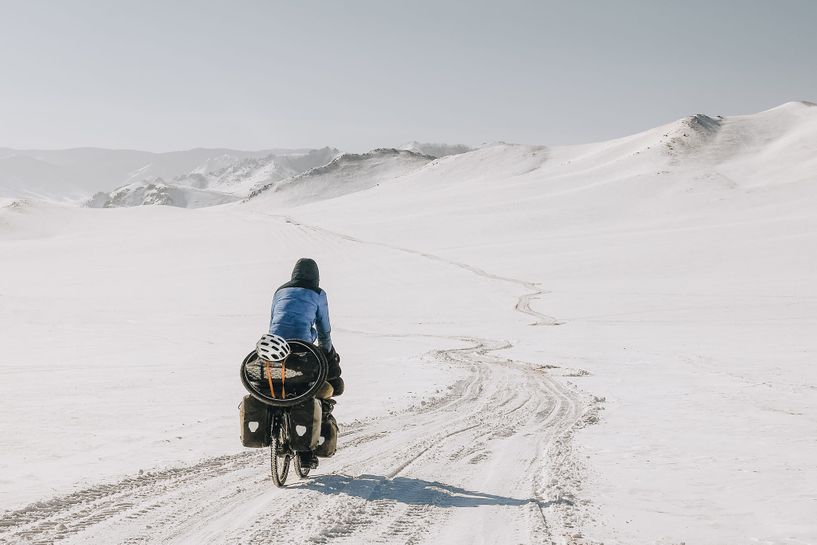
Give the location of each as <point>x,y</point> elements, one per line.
<point>435,149</point>
<point>605,343</point>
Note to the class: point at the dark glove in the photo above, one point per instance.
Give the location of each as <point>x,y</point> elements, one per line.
<point>333,359</point>
<point>332,356</point>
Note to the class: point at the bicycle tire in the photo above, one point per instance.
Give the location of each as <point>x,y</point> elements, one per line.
<point>303,472</point>
<point>279,451</point>
<point>288,402</point>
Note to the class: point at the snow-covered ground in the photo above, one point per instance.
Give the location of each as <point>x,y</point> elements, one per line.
<point>607,343</point>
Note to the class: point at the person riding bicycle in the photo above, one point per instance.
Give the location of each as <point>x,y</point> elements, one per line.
<point>300,310</point>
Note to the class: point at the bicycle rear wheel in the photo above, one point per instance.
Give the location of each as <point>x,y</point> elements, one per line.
<point>302,472</point>
<point>280,454</point>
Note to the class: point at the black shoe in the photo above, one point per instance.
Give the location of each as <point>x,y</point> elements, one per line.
<point>308,460</point>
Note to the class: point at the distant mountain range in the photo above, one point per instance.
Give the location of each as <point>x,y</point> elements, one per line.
<point>218,179</point>
<point>773,146</point>
<point>193,178</point>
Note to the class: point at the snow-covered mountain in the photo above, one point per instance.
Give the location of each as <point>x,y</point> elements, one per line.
<point>241,177</point>
<point>157,192</point>
<point>218,180</point>
<point>347,173</point>
<point>779,141</point>
<point>282,179</point>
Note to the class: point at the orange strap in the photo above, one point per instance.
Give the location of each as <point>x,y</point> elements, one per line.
<point>268,369</point>
<point>283,378</point>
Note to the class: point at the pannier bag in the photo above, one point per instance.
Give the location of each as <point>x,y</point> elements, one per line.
<point>255,423</point>
<point>306,425</point>
<point>328,442</point>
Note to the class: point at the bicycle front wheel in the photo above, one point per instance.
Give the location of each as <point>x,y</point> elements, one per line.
<point>280,454</point>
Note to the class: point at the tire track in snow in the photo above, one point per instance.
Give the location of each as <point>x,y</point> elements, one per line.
<point>448,425</point>
<point>190,504</point>
<point>522,305</point>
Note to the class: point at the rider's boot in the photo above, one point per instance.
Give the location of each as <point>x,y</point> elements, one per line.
<point>308,459</point>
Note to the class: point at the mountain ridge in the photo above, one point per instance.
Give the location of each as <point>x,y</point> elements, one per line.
<point>768,141</point>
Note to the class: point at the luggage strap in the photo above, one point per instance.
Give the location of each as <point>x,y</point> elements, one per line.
<point>283,378</point>
<point>268,370</point>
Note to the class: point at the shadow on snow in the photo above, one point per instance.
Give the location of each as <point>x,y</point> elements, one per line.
<point>407,490</point>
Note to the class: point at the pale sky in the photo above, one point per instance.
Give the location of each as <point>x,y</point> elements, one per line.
<point>168,75</point>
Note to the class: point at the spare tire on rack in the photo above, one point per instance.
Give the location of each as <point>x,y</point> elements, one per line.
<point>286,383</point>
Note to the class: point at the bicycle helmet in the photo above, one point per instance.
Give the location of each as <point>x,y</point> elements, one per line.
<point>272,348</point>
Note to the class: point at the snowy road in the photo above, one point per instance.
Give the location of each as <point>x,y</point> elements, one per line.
<point>489,462</point>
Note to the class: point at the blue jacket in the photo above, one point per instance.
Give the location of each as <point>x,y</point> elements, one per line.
<point>301,313</point>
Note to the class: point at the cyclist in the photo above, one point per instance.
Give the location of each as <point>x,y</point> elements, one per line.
<point>300,311</point>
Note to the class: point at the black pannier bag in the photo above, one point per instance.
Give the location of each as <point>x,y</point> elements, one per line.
<point>305,419</point>
<point>255,422</point>
<point>328,442</point>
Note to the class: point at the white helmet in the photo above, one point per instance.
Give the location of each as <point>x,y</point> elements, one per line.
<point>272,348</point>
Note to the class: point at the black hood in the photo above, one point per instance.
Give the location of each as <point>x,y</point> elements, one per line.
<point>304,275</point>
<point>306,271</point>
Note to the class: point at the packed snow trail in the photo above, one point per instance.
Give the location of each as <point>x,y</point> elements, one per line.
<point>522,305</point>
<point>398,478</point>
<point>490,460</point>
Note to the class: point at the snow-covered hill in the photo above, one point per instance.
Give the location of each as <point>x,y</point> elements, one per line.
<point>220,179</point>
<point>746,147</point>
<point>157,192</point>
<point>347,173</point>
<point>605,343</point>
<point>241,177</point>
